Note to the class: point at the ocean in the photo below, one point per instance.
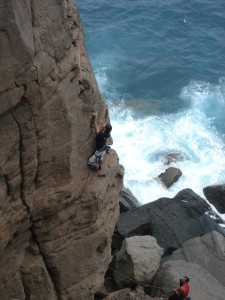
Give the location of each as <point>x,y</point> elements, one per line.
<point>160,66</point>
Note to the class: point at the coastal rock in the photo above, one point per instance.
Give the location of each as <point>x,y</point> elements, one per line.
<point>170,176</point>
<point>215,194</point>
<point>207,251</point>
<point>127,200</point>
<point>209,224</point>
<point>56,217</point>
<point>170,221</point>
<point>137,261</point>
<point>169,156</point>
<point>203,286</point>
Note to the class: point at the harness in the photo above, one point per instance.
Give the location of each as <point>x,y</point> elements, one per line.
<point>95,161</point>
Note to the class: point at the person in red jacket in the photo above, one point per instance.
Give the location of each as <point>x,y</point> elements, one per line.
<point>181,293</point>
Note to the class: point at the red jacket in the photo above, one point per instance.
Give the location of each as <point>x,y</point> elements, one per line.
<point>187,289</point>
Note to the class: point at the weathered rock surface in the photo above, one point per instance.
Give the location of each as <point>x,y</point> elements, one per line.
<point>170,221</point>
<point>137,261</point>
<point>170,176</point>
<point>56,217</point>
<point>203,286</point>
<point>215,194</point>
<point>207,251</point>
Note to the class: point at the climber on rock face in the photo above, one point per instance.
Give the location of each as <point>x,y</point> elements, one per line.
<point>181,293</point>
<point>101,135</point>
<point>94,162</point>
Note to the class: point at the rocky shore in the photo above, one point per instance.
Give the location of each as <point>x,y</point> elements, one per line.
<point>67,233</point>
<point>156,244</point>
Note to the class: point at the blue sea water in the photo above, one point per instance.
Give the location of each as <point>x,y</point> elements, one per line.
<point>160,65</point>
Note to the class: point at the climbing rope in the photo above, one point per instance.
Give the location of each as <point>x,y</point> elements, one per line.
<point>138,282</point>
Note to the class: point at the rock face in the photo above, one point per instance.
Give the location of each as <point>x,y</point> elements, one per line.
<point>215,194</point>
<point>137,260</point>
<point>207,251</point>
<point>203,286</point>
<point>56,217</point>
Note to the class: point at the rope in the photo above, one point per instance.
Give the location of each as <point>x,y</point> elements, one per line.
<point>78,202</point>
<point>138,282</point>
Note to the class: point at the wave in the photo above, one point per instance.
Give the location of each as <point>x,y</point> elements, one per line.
<point>144,142</point>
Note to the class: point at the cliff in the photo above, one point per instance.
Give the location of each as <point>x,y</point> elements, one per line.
<point>56,217</point>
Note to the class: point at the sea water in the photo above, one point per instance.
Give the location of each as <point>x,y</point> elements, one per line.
<point>160,65</point>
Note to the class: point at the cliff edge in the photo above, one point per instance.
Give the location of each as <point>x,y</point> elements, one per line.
<point>56,217</point>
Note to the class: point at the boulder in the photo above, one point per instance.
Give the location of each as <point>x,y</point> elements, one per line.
<point>215,194</point>
<point>207,251</point>
<point>137,261</point>
<point>170,221</point>
<point>170,176</point>
<point>203,286</point>
<point>127,200</point>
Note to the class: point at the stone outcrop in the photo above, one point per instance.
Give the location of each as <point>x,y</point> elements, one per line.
<point>203,286</point>
<point>137,261</point>
<point>127,200</point>
<point>170,176</point>
<point>170,221</point>
<point>215,194</point>
<point>56,217</point>
<point>212,223</point>
<point>207,251</point>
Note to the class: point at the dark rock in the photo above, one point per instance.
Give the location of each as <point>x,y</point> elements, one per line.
<point>170,156</point>
<point>170,221</point>
<point>215,194</point>
<point>127,200</point>
<point>209,224</point>
<point>101,294</point>
<point>170,176</point>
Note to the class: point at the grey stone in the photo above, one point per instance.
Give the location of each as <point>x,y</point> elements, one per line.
<point>170,221</point>
<point>137,261</point>
<point>207,251</point>
<point>203,286</point>
<point>215,194</point>
<point>127,200</point>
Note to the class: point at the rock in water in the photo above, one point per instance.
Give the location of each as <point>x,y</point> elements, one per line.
<point>170,176</point>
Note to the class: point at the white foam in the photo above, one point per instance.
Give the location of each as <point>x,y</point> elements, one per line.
<point>190,132</point>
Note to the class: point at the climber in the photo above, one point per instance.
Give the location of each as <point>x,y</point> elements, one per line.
<point>102,135</point>
<point>182,292</point>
